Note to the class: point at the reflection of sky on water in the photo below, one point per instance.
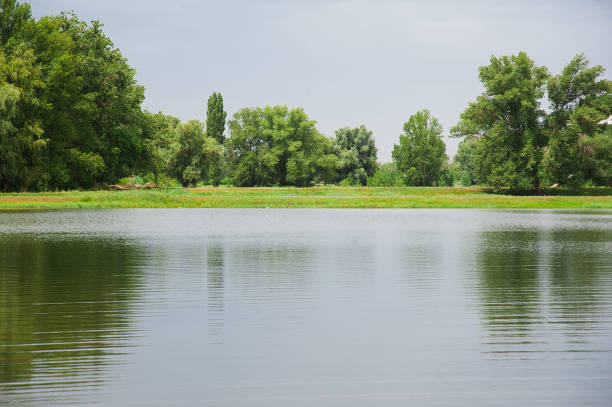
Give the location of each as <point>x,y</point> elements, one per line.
<point>334,307</point>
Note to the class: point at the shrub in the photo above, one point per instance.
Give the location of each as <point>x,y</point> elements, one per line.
<point>386,176</point>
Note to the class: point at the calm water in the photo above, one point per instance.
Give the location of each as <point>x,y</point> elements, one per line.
<point>306,307</point>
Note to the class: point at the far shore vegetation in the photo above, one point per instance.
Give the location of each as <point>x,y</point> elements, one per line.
<point>71,119</point>
<point>308,197</point>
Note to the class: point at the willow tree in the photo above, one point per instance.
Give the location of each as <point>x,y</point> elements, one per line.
<point>356,154</point>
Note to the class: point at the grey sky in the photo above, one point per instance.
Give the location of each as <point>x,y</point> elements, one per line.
<point>346,62</point>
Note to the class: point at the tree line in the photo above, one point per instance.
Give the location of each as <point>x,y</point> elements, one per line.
<point>71,117</point>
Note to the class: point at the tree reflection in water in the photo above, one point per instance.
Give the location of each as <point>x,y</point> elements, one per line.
<point>542,280</point>
<point>64,310</point>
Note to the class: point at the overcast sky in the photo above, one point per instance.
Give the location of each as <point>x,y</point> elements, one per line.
<point>346,62</point>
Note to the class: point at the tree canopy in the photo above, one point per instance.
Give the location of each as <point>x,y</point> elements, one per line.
<point>215,118</point>
<point>73,108</point>
<point>71,117</point>
<point>518,145</point>
<point>578,99</point>
<point>356,154</point>
<point>506,119</point>
<point>195,157</point>
<point>274,145</point>
<point>420,154</point>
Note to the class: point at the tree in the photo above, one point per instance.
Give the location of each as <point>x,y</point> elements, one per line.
<point>506,120</point>
<point>215,117</point>
<point>159,133</point>
<point>21,141</point>
<point>421,152</point>
<point>578,99</point>
<point>13,18</point>
<point>277,146</point>
<point>78,118</point>
<point>111,100</point>
<point>467,161</point>
<point>195,156</point>
<point>356,154</point>
<point>600,164</point>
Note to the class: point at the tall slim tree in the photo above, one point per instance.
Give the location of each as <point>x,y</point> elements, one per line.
<point>215,118</point>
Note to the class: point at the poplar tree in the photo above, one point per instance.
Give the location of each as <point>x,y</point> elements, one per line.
<point>215,117</point>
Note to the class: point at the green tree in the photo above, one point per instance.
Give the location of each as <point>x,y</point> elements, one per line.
<point>215,117</point>
<point>14,17</point>
<point>10,151</point>
<point>506,119</point>
<point>111,99</point>
<point>600,162</point>
<point>77,121</point>
<point>449,174</point>
<point>356,154</point>
<point>277,146</point>
<point>21,141</point>
<point>467,161</point>
<point>578,100</point>
<point>191,153</point>
<point>159,132</point>
<point>421,152</point>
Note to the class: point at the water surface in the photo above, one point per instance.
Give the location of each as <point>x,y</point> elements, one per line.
<point>318,307</point>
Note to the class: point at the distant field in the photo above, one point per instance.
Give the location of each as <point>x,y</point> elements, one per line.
<point>315,197</point>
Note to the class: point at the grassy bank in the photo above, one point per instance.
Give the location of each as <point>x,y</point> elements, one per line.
<point>316,197</point>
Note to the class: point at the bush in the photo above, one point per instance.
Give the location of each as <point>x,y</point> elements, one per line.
<point>350,182</point>
<point>227,181</point>
<point>386,176</point>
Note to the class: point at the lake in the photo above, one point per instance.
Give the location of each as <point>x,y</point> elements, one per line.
<point>252,307</point>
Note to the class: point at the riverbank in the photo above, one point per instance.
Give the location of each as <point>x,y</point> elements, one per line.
<point>315,197</point>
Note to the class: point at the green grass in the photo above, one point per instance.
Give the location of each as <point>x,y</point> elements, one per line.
<point>315,197</point>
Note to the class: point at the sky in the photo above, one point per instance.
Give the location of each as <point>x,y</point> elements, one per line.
<point>346,62</point>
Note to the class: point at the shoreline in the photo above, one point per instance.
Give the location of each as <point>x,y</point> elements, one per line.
<point>292,197</point>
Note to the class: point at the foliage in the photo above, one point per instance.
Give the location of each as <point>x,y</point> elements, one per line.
<point>215,118</point>
<point>356,154</point>
<point>21,142</point>
<point>277,146</point>
<point>600,161</point>
<point>421,151</point>
<point>195,156</point>
<point>159,133</point>
<point>466,162</point>
<point>14,17</point>
<point>449,175</point>
<point>578,99</point>
<point>77,118</point>
<point>71,117</point>
<point>506,119</point>
<point>386,176</point>
<point>512,143</point>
